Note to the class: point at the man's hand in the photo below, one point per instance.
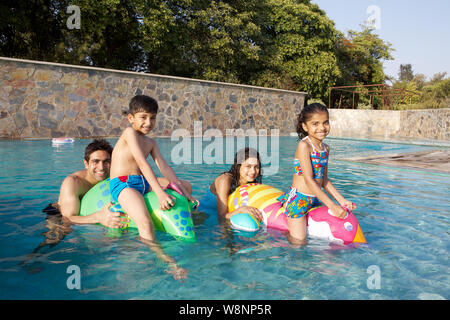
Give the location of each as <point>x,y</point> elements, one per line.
<point>112,219</point>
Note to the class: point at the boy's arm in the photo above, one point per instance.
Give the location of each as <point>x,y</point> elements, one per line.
<point>166,170</point>
<point>131,138</point>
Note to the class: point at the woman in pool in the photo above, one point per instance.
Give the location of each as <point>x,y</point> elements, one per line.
<point>245,169</point>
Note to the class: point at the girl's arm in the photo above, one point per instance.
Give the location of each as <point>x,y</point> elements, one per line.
<point>303,155</point>
<point>329,187</point>
<point>223,185</point>
<point>131,138</point>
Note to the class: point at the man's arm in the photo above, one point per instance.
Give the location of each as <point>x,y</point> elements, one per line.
<point>69,206</point>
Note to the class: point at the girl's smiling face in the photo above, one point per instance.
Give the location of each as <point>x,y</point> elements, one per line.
<point>249,170</point>
<point>317,126</point>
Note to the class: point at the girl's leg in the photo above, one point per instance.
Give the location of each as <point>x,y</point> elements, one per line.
<point>133,204</point>
<point>297,230</point>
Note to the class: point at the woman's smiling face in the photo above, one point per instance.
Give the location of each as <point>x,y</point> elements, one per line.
<point>249,170</point>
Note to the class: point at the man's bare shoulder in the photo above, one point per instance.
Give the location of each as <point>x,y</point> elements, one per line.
<point>76,177</point>
<point>76,182</point>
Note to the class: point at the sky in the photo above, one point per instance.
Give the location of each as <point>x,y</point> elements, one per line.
<point>419,31</point>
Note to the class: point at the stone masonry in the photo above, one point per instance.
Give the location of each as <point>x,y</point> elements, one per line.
<point>45,100</point>
<point>41,100</point>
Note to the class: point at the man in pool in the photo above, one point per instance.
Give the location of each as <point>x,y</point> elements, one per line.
<point>97,162</point>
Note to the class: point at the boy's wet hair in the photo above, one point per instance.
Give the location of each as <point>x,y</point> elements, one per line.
<point>306,114</point>
<point>142,103</point>
<point>96,145</point>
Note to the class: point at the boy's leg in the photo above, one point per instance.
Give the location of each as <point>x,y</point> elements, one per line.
<point>133,204</point>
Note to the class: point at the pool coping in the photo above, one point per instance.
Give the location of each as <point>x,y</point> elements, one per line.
<point>411,160</point>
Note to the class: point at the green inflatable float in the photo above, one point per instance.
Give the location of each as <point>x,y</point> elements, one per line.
<point>176,221</point>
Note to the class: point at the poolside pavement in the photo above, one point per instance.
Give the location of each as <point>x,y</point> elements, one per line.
<point>434,160</point>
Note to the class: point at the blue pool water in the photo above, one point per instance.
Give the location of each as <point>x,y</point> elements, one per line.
<point>404,215</point>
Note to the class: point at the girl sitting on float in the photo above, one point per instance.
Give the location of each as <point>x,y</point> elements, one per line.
<point>310,174</point>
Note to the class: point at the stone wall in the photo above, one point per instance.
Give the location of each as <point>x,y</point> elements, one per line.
<point>45,100</point>
<point>428,124</point>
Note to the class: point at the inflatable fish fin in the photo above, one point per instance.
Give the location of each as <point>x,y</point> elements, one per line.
<point>359,236</point>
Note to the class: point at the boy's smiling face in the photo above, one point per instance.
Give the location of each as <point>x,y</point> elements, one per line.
<point>143,122</point>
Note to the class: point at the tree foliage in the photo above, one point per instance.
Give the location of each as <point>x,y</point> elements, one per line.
<point>286,44</point>
<point>423,94</point>
<point>405,73</point>
<point>360,57</point>
<point>298,51</point>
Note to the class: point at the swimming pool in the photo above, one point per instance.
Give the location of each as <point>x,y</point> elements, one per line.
<point>404,215</point>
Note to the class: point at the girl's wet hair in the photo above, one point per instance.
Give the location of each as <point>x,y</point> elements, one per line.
<point>306,114</point>
<point>143,103</point>
<point>240,157</point>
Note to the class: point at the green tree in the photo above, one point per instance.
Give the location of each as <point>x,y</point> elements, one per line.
<point>30,29</point>
<point>298,51</point>
<point>360,56</point>
<point>109,36</point>
<point>437,77</point>
<point>286,44</point>
<point>202,39</point>
<point>406,73</point>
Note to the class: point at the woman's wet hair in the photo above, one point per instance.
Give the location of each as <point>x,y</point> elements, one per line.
<point>306,114</point>
<point>240,157</point>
